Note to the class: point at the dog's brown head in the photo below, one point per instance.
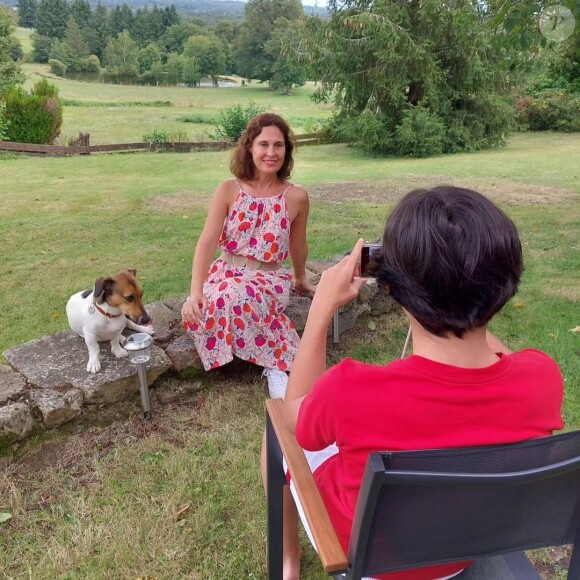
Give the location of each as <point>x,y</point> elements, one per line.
<point>122,291</point>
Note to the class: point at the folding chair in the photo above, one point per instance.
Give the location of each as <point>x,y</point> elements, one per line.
<point>423,508</point>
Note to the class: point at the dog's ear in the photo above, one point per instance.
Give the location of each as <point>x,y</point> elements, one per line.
<point>103,287</point>
<point>133,271</point>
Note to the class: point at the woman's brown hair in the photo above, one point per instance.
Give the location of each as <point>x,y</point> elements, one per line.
<point>242,164</point>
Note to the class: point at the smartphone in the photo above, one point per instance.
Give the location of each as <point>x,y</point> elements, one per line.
<point>369,259</point>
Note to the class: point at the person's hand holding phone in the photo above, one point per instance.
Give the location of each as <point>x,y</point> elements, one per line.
<point>339,284</point>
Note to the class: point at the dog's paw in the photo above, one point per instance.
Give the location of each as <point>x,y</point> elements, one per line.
<point>148,330</point>
<point>119,352</point>
<point>94,366</point>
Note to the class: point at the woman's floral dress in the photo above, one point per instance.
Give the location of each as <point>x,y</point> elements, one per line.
<point>245,312</point>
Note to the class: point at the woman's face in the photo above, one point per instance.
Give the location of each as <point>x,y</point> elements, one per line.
<point>268,150</point>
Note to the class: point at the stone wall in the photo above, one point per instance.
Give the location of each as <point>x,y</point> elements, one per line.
<point>46,385</point>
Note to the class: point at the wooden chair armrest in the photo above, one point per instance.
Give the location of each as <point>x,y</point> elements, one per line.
<point>329,549</point>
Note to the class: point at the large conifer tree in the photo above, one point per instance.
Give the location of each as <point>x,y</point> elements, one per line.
<point>409,77</point>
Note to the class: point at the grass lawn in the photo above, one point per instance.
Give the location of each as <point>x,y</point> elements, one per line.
<point>182,498</point>
<point>23,35</point>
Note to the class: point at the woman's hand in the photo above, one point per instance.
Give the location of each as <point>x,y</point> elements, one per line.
<point>194,307</point>
<point>302,287</point>
<point>341,283</point>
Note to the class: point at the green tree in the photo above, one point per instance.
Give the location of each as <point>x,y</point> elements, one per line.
<point>63,52</point>
<point>81,11</point>
<point>121,19</point>
<point>170,16</point>
<point>250,52</point>
<point>10,74</point>
<point>51,18</point>
<point>26,13</point>
<point>227,31</point>
<point>175,37</point>
<point>208,52</point>
<point>173,68</point>
<point>98,31</point>
<point>75,38</point>
<point>286,70</point>
<point>148,56</point>
<point>142,29</point>
<point>41,46</point>
<point>397,65</point>
<point>190,73</point>
<point>121,58</point>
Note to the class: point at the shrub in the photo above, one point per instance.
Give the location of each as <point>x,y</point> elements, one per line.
<point>156,137</point>
<point>550,110</point>
<point>57,67</point>
<point>369,131</point>
<point>419,134</point>
<point>233,120</point>
<point>3,123</point>
<point>34,117</point>
<point>93,64</point>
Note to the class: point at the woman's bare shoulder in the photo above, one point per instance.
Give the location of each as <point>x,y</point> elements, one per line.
<point>296,193</point>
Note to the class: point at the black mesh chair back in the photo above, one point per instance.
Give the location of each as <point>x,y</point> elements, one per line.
<point>433,507</point>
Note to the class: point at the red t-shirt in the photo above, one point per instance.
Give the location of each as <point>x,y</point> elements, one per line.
<point>417,403</point>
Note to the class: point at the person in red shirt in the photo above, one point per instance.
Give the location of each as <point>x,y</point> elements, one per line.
<point>451,259</point>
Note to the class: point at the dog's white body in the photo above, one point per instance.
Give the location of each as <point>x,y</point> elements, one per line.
<point>99,321</point>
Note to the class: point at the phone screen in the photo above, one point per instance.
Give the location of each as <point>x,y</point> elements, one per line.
<point>369,259</point>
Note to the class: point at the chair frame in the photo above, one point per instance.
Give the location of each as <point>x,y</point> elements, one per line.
<point>334,561</point>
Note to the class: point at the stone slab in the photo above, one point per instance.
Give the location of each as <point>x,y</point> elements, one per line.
<point>297,311</point>
<point>16,422</point>
<point>175,304</point>
<point>166,322</point>
<point>12,384</point>
<point>55,408</point>
<point>183,354</point>
<point>59,362</point>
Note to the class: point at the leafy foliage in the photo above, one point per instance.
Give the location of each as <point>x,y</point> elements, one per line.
<point>551,110</point>
<point>122,57</point>
<point>409,77</point>
<point>254,61</point>
<point>233,120</point>
<point>156,137</point>
<point>26,13</point>
<point>286,70</point>
<point>34,117</point>
<point>57,67</point>
<point>51,18</point>
<point>9,70</point>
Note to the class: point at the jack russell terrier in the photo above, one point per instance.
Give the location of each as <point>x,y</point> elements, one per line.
<point>103,313</point>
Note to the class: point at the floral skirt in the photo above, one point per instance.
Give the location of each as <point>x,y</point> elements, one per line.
<point>245,318</point>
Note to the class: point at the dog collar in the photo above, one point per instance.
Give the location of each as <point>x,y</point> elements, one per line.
<point>107,314</point>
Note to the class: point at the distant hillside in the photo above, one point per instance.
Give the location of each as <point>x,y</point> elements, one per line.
<point>211,10</point>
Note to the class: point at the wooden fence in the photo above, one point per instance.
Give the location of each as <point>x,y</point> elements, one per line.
<point>177,147</point>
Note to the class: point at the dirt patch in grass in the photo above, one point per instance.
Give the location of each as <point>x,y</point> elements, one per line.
<point>185,202</point>
<point>385,192</point>
<point>510,193</point>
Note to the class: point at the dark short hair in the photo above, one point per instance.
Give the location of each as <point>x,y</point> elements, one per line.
<point>451,258</point>
<point>242,164</point>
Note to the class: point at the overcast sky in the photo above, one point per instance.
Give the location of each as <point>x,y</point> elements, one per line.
<point>319,3</point>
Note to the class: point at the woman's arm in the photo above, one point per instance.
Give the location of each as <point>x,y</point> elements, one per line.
<point>338,285</point>
<point>299,207</point>
<point>196,302</point>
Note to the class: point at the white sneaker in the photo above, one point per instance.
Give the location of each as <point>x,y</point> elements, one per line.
<point>277,383</point>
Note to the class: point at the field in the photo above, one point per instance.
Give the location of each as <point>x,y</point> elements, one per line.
<point>123,114</point>
<point>182,498</point>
